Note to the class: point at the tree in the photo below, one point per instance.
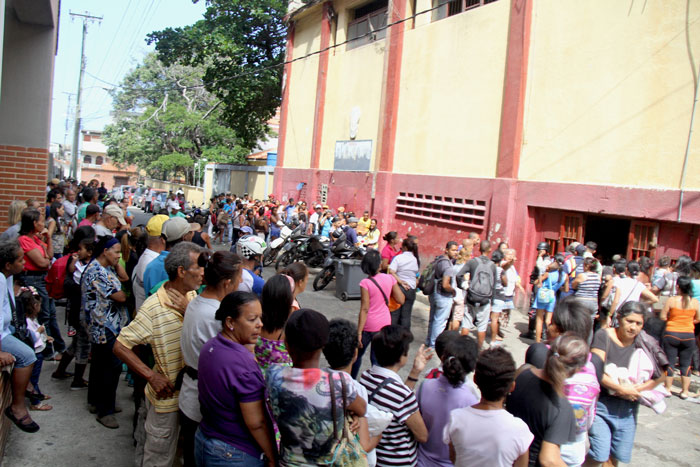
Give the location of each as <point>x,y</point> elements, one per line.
<point>165,121</point>
<point>240,45</point>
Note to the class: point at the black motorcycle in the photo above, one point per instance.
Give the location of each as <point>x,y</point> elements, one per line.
<point>338,251</point>
<point>311,249</point>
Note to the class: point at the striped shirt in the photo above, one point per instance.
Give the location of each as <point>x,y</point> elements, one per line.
<point>397,446</point>
<point>590,287</point>
<point>159,325</point>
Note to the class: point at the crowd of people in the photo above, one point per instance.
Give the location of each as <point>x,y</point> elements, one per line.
<point>228,366</point>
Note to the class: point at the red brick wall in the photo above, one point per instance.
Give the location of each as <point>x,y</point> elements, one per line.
<point>23,175</point>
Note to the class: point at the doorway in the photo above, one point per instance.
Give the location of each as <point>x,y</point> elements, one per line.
<point>610,233</point>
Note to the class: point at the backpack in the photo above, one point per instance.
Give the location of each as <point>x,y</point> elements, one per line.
<point>481,284</point>
<point>56,277</point>
<point>426,281</point>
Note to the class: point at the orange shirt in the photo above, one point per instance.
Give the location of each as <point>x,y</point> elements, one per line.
<point>680,320</point>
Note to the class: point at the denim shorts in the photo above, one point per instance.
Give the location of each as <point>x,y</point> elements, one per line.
<point>24,355</point>
<point>213,452</point>
<point>613,429</point>
<point>481,315</point>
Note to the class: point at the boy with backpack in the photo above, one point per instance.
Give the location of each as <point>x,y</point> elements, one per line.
<point>436,282</point>
<point>482,280</point>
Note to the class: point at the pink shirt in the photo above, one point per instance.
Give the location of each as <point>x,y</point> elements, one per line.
<point>378,314</point>
<point>388,252</point>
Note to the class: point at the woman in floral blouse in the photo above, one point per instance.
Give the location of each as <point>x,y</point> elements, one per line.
<point>277,298</point>
<point>104,314</point>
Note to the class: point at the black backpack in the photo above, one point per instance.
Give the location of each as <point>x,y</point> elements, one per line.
<point>481,284</point>
<point>426,281</point>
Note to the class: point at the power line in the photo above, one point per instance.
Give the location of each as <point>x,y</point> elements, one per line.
<point>271,67</point>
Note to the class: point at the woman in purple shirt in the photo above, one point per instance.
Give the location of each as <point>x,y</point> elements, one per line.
<point>438,397</point>
<point>235,427</point>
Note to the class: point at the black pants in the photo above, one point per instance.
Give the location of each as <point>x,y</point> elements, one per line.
<point>105,369</point>
<point>679,345</point>
<point>188,428</point>
<point>366,341</point>
<point>402,316</point>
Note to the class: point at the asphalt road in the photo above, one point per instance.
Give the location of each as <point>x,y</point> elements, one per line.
<point>70,436</point>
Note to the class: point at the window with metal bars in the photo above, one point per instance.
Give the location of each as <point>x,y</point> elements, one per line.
<point>447,8</point>
<point>368,24</point>
<point>642,239</point>
<point>453,211</point>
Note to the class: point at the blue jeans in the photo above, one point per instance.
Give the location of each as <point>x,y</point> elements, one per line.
<point>24,355</point>
<point>366,341</point>
<point>440,307</point>
<point>212,452</point>
<point>47,315</point>
<point>613,429</point>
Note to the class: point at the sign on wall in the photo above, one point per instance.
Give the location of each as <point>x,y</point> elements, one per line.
<point>353,155</point>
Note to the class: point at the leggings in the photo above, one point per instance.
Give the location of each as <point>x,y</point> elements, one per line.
<point>679,345</point>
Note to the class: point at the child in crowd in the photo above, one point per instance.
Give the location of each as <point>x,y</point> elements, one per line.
<point>341,353</point>
<point>485,434</point>
<point>31,304</point>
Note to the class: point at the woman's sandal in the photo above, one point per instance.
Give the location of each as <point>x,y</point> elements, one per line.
<point>31,427</point>
<point>683,396</point>
<point>33,395</point>
<point>41,407</point>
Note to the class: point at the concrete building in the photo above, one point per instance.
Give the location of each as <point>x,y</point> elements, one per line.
<point>28,39</point>
<point>93,163</point>
<point>555,120</point>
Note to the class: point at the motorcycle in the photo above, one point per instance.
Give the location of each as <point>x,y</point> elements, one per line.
<point>338,251</point>
<point>311,249</point>
<point>274,247</point>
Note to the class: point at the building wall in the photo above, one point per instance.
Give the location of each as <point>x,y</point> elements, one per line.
<point>610,92</point>
<point>451,91</point>
<point>302,93</point>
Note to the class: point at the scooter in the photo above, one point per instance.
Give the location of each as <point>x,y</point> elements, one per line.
<point>339,250</point>
<point>274,247</point>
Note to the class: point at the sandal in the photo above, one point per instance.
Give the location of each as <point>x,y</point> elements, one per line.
<point>41,407</point>
<point>34,395</point>
<point>30,427</point>
<point>683,395</point>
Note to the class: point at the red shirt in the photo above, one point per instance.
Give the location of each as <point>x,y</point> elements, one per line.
<point>388,252</point>
<point>29,243</point>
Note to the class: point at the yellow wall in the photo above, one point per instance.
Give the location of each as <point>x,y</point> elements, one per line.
<point>354,80</point>
<point>451,91</point>
<point>302,92</point>
<point>238,182</point>
<point>610,91</point>
<point>256,185</point>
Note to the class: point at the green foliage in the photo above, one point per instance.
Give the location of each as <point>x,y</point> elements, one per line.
<point>165,121</point>
<point>240,47</point>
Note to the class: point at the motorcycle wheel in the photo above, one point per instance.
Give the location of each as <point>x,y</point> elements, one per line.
<point>269,257</point>
<point>316,260</point>
<point>284,260</point>
<point>324,278</point>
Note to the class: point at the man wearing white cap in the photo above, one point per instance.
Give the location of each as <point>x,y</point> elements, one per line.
<point>112,217</point>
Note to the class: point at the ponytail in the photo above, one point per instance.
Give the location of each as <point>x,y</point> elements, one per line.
<point>459,359</point>
<point>566,356</point>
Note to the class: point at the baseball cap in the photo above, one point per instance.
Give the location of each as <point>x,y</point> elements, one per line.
<point>176,208</point>
<point>580,249</point>
<point>307,330</point>
<point>352,219</point>
<point>154,227</point>
<point>55,181</point>
<point>175,228</point>
<point>115,211</point>
<point>318,206</point>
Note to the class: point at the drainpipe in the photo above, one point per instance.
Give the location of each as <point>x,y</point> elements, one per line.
<point>687,149</point>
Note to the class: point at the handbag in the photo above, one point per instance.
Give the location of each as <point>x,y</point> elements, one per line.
<point>390,302</point>
<point>347,451</point>
<point>19,321</point>
<point>545,295</point>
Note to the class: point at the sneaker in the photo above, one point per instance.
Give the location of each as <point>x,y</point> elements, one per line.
<point>79,386</point>
<point>108,421</point>
<point>61,376</point>
<point>71,331</point>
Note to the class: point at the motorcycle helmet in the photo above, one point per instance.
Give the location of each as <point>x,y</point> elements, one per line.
<point>250,246</point>
<point>543,246</point>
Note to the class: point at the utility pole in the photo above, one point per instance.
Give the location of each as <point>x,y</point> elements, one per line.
<point>86,18</point>
<point>68,115</point>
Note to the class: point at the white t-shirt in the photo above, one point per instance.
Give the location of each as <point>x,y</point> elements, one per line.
<point>172,203</point>
<point>198,327</point>
<point>630,289</point>
<point>102,231</point>
<point>512,277</point>
<point>486,438</point>
<point>137,276</point>
<point>406,267</point>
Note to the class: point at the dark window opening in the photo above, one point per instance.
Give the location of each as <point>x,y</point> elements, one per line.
<point>610,233</point>
<point>99,160</point>
<point>368,25</point>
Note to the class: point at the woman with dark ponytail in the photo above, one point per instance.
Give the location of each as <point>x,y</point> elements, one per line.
<point>538,399</point>
<point>438,397</point>
<point>404,267</point>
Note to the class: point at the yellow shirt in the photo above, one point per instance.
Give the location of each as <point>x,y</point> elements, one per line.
<point>372,238</point>
<point>363,226</point>
<point>159,325</point>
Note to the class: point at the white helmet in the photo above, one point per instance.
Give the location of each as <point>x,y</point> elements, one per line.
<point>250,246</point>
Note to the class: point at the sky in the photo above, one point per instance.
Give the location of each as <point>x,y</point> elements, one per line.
<point>113,46</point>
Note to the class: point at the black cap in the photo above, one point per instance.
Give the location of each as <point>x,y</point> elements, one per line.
<point>307,330</point>
<point>580,249</point>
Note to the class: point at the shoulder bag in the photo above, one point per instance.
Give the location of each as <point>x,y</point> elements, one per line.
<point>347,451</point>
<point>390,302</point>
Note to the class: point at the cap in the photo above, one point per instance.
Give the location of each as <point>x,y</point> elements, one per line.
<point>55,181</point>
<point>248,229</point>
<point>318,206</point>
<point>352,219</point>
<point>175,228</point>
<point>155,225</point>
<point>580,249</point>
<point>176,208</point>
<point>115,211</point>
<point>341,209</point>
<point>307,330</point>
